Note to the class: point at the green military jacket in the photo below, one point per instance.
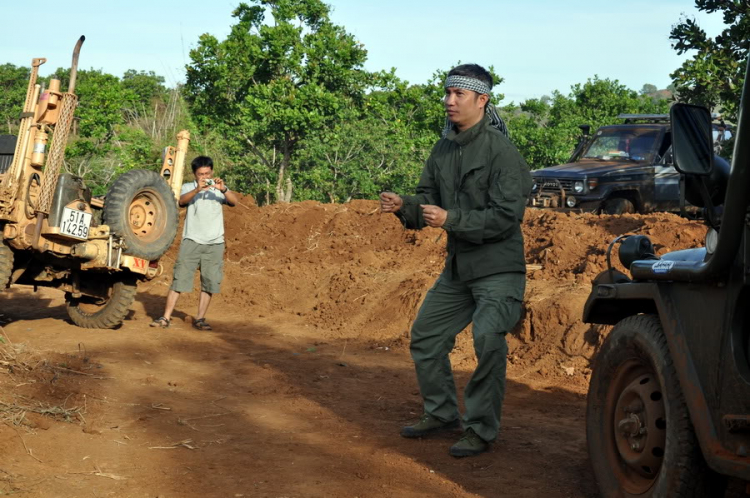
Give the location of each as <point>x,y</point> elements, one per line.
<point>479,177</point>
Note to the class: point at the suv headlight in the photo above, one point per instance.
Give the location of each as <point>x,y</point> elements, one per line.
<point>534,185</point>
<point>578,187</point>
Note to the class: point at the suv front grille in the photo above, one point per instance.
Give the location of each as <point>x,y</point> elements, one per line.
<point>555,184</point>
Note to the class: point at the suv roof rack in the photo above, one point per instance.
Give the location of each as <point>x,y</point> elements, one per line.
<point>650,118</point>
<point>653,118</point>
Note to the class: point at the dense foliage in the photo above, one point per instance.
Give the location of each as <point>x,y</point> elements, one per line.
<point>714,75</point>
<point>271,85</point>
<point>12,95</point>
<point>546,131</point>
<point>288,112</point>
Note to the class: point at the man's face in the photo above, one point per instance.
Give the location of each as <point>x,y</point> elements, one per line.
<point>204,172</point>
<point>465,108</point>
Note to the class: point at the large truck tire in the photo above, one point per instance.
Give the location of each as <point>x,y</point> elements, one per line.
<point>618,205</point>
<point>91,313</point>
<point>141,208</point>
<point>640,439</point>
<point>6,266</point>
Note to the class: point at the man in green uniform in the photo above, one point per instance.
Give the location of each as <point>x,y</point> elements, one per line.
<point>474,186</point>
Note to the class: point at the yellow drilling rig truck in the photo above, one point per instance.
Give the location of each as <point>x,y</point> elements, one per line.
<point>55,234</point>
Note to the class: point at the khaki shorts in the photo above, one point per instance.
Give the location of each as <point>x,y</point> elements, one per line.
<point>209,258</point>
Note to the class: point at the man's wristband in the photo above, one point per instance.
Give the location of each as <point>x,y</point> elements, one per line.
<point>226,189</point>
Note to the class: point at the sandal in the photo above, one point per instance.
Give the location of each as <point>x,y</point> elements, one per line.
<point>161,322</point>
<point>201,324</point>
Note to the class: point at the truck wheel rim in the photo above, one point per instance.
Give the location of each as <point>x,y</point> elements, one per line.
<point>637,434</point>
<point>146,216</point>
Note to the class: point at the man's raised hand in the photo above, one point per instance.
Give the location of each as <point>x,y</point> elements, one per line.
<point>434,216</point>
<point>390,202</point>
<point>202,185</point>
<point>220,185</point>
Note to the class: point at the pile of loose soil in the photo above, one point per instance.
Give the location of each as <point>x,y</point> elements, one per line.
<point>569,250</point>
<point>572,247</point>
<point>353,272</point>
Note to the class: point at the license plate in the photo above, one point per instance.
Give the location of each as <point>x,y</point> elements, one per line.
<point>75,224</point>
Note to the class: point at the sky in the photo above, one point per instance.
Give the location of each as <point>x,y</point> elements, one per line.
<point>537,46</point>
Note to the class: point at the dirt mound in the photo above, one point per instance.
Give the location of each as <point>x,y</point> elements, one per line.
<point>342,267</point>
<point>565,252</point>
<point>355,273</point>
<point>573,246</point>
<point>346,268</point>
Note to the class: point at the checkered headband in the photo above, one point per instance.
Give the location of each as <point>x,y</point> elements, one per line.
<point>467,83</point>
<point>479,86</point>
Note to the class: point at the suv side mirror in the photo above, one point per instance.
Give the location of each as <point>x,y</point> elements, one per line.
<point>691,135</point>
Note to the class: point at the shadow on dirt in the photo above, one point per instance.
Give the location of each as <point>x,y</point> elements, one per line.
<point>153,305</point>
<point>22,303</point>
<point>377,395</point>
<point>331,411</point>
<point>269,408</point>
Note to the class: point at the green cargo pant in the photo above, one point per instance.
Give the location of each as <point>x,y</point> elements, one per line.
<point>493,304</point>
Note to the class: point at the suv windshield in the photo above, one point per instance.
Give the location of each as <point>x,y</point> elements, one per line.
<point>634,144</point>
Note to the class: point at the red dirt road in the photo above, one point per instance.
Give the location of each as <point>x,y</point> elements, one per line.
<point>302,387</point>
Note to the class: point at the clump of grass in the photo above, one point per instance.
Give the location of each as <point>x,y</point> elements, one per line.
<point>23,364</point>
<point>15,413</point>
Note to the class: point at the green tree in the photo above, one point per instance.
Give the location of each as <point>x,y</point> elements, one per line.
<point>546,132</point>
<point>362,156</point>
<point>107,139</point>
<point>147,86</point>
<point>714,75</point>
<point>102,99</point>
<point>421,105</point>
<point>540,141</point>
<point>380,146</point>
<point>648,89</point>
<point>270,84</point>
<point>13,85</point>
<point>110,132</point>
<point>353,160</point>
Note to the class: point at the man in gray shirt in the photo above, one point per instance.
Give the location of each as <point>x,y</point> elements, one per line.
<point>202,244</point>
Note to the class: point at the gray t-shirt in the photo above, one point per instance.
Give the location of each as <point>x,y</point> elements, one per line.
<point>204,221</point>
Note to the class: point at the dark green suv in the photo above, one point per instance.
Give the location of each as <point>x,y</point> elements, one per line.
<point>626,168</point>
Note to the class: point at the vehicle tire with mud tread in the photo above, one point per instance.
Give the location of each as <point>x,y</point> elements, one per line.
<point>89,313</point>
<point>618,205</point>
<point>140,207</point>
<point>6,266</point>
<point>640,438</point>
